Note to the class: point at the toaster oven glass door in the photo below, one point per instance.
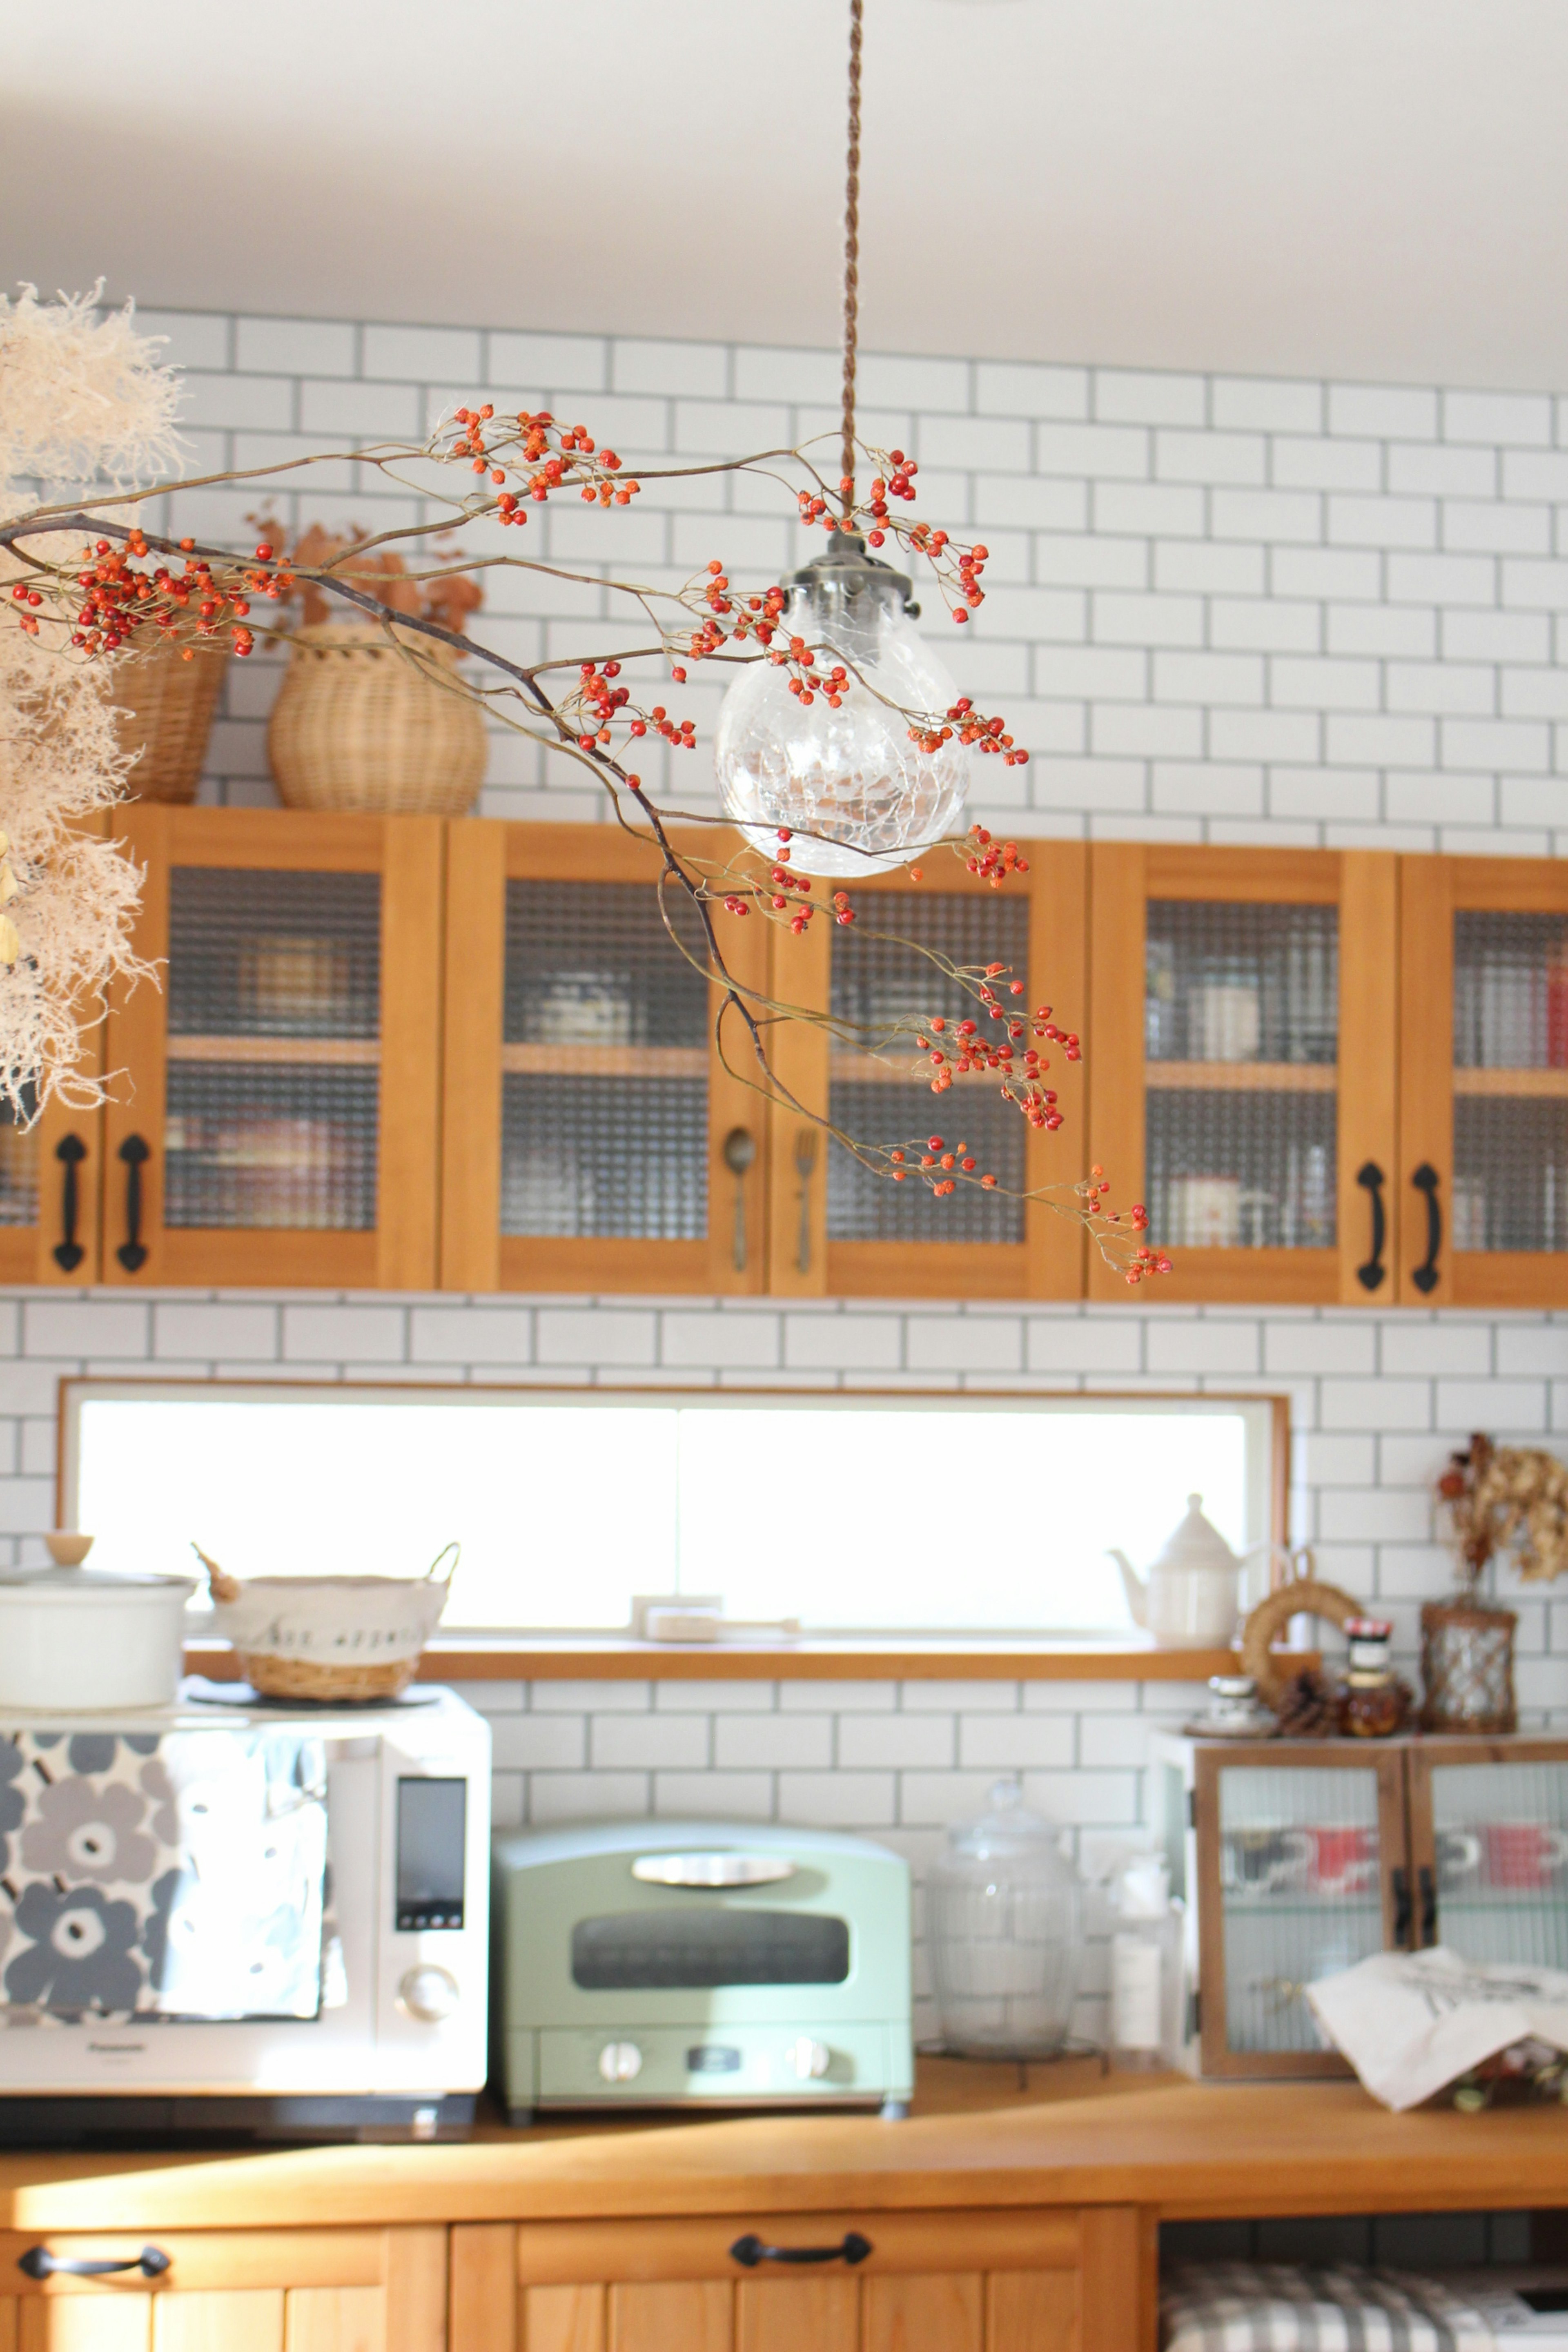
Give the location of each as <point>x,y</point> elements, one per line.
<point>702,1948</point>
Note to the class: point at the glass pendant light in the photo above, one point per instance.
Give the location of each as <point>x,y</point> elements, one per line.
<point>855,792</point>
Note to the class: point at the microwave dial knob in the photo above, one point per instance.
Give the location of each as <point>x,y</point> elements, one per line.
<point>808,2059</point>
<point>430,1994</point>
<point>620,2061</point>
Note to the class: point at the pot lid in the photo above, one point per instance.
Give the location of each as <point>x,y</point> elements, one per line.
<point>68,1583</point>
<point>1196,1544</point>
<point>1007,1827</point>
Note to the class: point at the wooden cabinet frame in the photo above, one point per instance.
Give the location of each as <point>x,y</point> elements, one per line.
<point>1123,877</point>
<point>484,856</point>
<point>1209,1766</point>
<point>1433,890</point>
<point>1049,1262</point>
<point>400,1254</point>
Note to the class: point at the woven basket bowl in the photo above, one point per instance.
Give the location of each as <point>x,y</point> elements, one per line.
<point>356,726</point>
<point>164,709</point>
<point>277,1677</point>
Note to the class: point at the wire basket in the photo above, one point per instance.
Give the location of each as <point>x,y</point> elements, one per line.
<point>1467,1667</point>
<point>357,726</point>
<point>164,707</point>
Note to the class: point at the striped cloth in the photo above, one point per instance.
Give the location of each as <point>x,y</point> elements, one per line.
<point>1296,2307</point>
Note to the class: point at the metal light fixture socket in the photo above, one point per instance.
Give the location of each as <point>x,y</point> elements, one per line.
<point>855,794</point>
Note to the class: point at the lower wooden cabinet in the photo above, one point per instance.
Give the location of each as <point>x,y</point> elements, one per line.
<point>1012,2281</point>
<point>232,2291</point>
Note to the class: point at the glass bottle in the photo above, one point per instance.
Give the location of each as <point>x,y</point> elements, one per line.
<point>1005,1928</point>
<point>1376,1701</point>
<point>1145,1968</point>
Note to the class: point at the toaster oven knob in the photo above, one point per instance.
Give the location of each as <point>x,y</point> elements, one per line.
<point>620,2061</point>
<point>430,1994</point>
<point>808,2059</point>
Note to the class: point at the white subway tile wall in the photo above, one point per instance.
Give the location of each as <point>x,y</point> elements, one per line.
<point>1220,609</point>
<point>1376,1402</point>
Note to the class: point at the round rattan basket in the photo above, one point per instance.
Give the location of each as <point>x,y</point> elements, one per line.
<point>357,727</point>
<point>164,709</point>
<point>277,1677</point>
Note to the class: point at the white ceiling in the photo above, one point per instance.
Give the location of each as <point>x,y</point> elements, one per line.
<point>1364,188</point>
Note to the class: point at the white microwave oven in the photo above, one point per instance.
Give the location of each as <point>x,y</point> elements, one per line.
<point>240,1915</point>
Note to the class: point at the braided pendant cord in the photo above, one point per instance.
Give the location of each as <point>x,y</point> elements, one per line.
<point>851,258</point>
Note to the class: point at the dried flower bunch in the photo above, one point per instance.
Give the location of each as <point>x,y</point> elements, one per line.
<point>84,400</point>
<point>125,585</point>
<point>1508,1498</point>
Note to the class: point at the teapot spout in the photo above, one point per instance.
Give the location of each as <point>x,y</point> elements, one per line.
<point>1137,1592</point>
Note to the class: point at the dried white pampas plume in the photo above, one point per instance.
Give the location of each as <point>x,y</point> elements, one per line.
<point>83,399</point>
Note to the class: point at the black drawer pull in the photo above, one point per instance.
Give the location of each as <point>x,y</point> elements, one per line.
<point>37,2262</point>
<point>1426,1180</point>
<point>1369,1175</point>
<point>69,1253</point>
<point>1429,1886</point>
<point>131,1252</point>
<point>750,2251</point>
<point>1401,1879</point>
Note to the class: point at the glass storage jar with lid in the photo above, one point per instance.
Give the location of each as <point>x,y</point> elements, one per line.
<point>1005,1923</point>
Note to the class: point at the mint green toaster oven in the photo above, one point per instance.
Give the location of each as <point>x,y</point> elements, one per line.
<point>645,1963</point>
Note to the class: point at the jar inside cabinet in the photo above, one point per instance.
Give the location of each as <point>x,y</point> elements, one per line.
<point>279,1118</point>
<point>598,1132</point>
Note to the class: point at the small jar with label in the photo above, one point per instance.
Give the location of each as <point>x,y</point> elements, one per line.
<point>1377,1704</point>
<point>1146,1986</point>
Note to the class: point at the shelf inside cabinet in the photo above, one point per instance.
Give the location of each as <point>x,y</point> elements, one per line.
<point>1538,1082</point>
<point>296,1052</point>
<point>605,1060</point>
<point>1243,1078</point>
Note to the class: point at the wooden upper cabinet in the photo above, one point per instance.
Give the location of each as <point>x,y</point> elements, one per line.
<point>1483,1175</point>
<point>276,1113</point>
<point>1242,1068</point>
<point>837,1227</point>
<point>600,1132</point>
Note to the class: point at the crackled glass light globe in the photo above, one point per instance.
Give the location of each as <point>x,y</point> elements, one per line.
<point>855,794</point>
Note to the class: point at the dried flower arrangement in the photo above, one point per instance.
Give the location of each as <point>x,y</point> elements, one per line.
<point>1507,1499</point>
<point>447,597</point>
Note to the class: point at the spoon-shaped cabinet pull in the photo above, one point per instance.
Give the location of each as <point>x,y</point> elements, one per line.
<point>739,1150</point>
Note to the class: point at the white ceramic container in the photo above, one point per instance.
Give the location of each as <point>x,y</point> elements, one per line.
<point>82,1640</point>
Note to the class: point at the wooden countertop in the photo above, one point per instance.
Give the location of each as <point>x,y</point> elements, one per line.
<point>1065,2136</point>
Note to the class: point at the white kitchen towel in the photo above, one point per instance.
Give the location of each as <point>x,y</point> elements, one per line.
<point>1297,2307</point>
<point>1412,2023</point>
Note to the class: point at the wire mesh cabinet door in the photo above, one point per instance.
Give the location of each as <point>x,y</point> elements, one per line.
<point>1301,1871</point>
<point>1488,1836</point>
<point>1484,1082</point>
<point>1241,1066</point>
<point>279,1118</point>
<point>841,1229</point>
<point>600,1129</point>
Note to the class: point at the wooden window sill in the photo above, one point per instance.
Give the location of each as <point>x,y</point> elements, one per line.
<point>615,1658</point>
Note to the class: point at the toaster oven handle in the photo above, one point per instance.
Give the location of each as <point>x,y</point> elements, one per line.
<point>37,2262</point>
<point>852,2248</point>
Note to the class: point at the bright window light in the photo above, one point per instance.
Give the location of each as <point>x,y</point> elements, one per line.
<point>856,1515</point>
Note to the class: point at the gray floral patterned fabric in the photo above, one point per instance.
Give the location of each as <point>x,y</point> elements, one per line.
<point>172,1875</point>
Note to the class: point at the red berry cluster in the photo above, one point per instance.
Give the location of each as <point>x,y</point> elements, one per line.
<point>1143,1262</point>
<point>992,860</point>
<point>898,482</point>
<point>117,596</point>
<point>534,450</point>
<point>940,1167</point>
<point>970,727</point>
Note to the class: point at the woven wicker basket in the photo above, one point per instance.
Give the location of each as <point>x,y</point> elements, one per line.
<point>165,706</point>
<point>357,727</point>
<point>303,1678</point>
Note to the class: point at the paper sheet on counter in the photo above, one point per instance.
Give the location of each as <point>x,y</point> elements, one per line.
<point>1412,2023</point>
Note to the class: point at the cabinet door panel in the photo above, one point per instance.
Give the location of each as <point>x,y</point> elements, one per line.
<point>80,2323</point>
<point>334,2319</point>
<point>673,2316</point>
<point>1032,2311</point>
<point>244,2319</point>
<point>279,1121</point>
<point>788,2315</point>
<point>941,2312</point>
<point>1489,1832</point>
<point>1241,1056</point>
<point>563,2319</point>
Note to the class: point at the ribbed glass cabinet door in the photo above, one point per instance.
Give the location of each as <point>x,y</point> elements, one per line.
<point>1491,1836</point>
<point>1295,1866</point>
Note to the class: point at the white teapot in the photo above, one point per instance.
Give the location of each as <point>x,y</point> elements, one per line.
<point>1191,1597</point>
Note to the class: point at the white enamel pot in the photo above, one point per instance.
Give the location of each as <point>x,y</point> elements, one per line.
<point>83,1641</point>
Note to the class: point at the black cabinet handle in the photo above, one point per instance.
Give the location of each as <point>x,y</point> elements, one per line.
<point>1429,1886</point>
<point>1370,1176</point>
<point>1426,1180</point>
<point>852,2248</point>
<point>37,2262</point>
<point>69,1253</point>
<point>1400,1880</point>
<point>131,1254</point>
